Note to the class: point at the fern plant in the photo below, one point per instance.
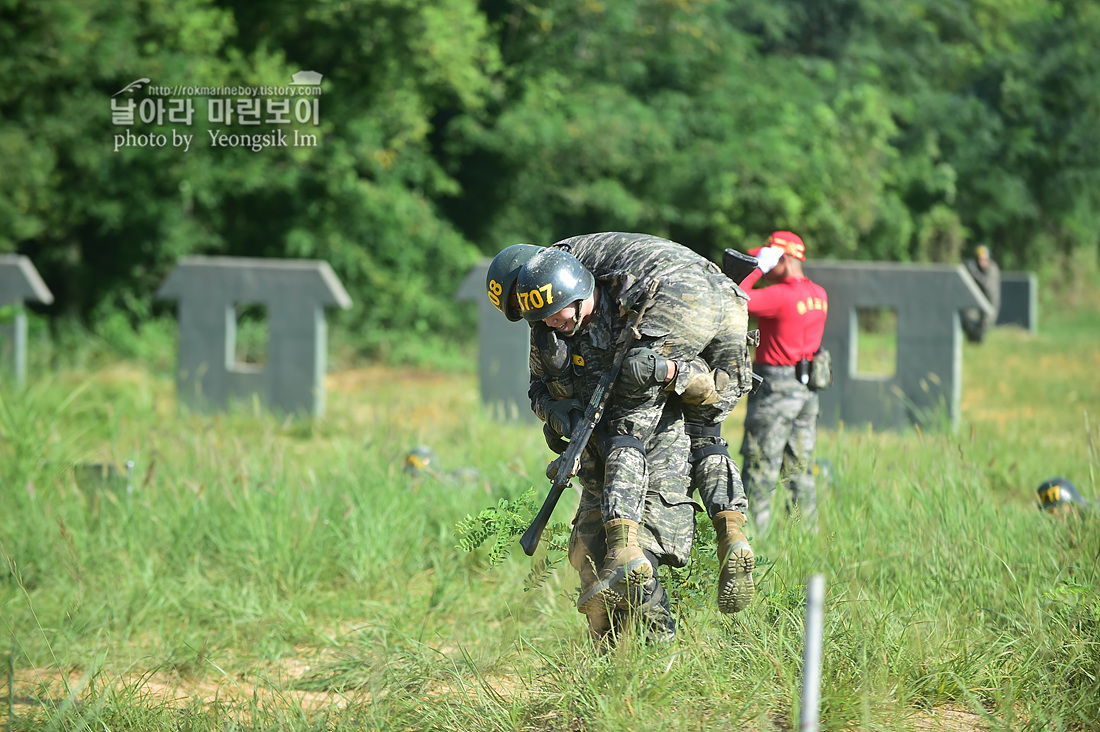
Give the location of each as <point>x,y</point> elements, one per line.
<point>500,527</point>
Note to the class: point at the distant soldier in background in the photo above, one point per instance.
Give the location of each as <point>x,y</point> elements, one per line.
<point>421,462</point>
<point>781,422</point>
<point>987,275</point>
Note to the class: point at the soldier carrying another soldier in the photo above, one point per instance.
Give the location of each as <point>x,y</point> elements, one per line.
<point>698,316</point>
<point>667,528</point>
<point>559,390</point>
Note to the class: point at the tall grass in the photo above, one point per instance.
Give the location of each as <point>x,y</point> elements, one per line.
<point>259,572</point>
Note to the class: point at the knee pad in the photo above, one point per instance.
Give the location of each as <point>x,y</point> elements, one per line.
<point>698,429</point>
<point>700,453</point>
<point>706,440</point>
<point>614,442</point>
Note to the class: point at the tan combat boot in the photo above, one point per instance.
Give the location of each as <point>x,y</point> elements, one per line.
<point>602,630</point>
<point>735,587</point>
<point>624,566</point>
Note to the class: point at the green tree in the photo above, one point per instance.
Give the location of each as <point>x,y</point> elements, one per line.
<point>96,222</point>
<point>366,198</point>
<point>670,118</point>
<point>105,223</point>
<point>451,128</point>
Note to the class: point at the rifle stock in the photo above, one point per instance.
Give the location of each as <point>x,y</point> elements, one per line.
<point>737,266</point>
<point>571,458</point>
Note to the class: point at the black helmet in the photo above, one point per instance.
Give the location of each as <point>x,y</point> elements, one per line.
<point>1057,493</point>
<point>551,280</point>
<point>502,275</point>
<point>419,461</point>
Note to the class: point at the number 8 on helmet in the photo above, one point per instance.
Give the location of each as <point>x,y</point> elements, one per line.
<point>500,280</point>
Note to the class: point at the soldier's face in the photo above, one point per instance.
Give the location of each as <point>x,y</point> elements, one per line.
<point>565,321</point>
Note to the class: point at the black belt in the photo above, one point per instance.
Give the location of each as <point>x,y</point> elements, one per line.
<point>771,368</point>
<point>800,370</point>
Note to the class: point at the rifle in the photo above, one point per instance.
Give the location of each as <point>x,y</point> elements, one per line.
<point>571,458</point>
<point>737,266</point>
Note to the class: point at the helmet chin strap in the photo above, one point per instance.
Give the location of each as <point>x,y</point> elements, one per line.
<point>576,319</point>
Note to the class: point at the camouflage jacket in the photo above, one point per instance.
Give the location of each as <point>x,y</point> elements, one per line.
<point>988,280</point>
<point>623,264</point>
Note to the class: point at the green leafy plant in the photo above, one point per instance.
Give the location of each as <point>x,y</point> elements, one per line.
<point>501,525</point>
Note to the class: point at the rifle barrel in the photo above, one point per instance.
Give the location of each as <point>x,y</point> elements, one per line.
<point>571,458</point>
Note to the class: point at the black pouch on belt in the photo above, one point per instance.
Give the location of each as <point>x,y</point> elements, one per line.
<point>802,371</point>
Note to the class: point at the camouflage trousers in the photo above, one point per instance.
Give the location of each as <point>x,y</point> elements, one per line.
<point>975,324</point>
<point>699,314</point>
<point>779,441</point>
<point>666,531</point>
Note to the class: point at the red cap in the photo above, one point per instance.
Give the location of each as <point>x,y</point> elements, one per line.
<point>788,242</point>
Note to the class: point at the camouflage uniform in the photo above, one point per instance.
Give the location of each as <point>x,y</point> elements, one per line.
<point>668,525</point>
<point>698,313</point>
<point>976,322</point>
<point>780,436</point>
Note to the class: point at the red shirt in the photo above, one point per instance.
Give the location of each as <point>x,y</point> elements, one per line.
<point>791,317</point>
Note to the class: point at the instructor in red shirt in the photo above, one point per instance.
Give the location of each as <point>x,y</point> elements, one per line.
<point>781,424</point>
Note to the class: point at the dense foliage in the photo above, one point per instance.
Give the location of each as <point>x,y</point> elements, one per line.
<point>878,129</point>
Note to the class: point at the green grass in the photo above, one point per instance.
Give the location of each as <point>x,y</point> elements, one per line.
<point>877,342</point>
<point>278,574</point>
